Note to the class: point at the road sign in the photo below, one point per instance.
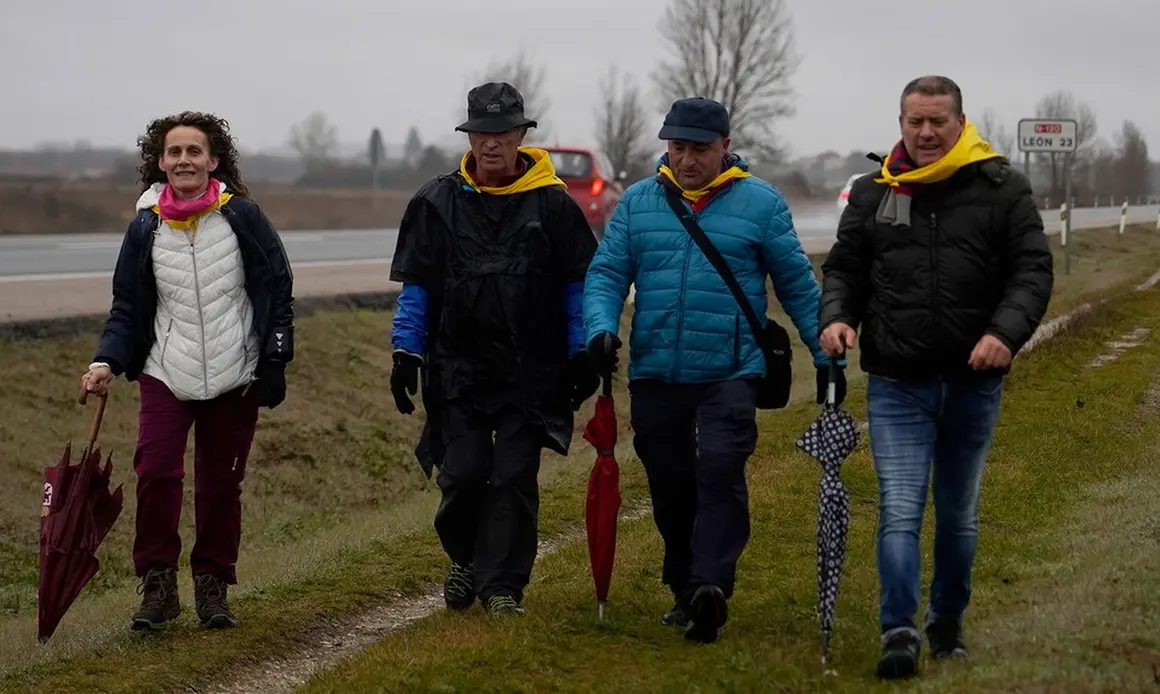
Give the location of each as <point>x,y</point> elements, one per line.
<point>1047,135</point>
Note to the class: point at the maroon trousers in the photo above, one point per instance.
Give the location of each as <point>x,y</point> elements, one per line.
<point>222,437</point>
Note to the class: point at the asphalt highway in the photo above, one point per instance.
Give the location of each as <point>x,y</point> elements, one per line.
<point>44,257</point>
<point>60,276</point>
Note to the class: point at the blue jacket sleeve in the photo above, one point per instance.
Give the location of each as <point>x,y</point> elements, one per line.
<point>609,277</point>
<point>793,279</point>
<point>409,328</point>
<point>574,296</point>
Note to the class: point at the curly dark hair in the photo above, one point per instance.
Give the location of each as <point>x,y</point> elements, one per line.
<point>221,145</point>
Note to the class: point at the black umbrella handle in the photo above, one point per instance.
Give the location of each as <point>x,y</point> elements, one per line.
<point>832,388</point>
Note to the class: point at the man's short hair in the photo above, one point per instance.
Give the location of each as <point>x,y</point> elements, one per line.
<point>933,85</point>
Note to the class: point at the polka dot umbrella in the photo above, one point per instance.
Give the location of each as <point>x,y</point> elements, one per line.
<point>830,440</point>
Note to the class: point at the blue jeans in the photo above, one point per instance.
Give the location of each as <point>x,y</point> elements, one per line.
<point>912,425</point>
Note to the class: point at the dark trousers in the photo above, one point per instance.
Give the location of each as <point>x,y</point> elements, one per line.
<point>491,498</point>
<point>694,440</point>
<point>224,432</point>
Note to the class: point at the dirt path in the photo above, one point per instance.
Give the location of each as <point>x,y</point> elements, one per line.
<point>1052,327</point>
<point>328,645</point>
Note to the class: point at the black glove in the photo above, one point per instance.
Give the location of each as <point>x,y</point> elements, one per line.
<point>405,380</point>
<point>839,384</point>
<point>582,378</point>
<point>272,384</point>
<point>602,352</point>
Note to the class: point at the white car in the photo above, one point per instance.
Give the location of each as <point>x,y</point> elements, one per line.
<point>844,196</point>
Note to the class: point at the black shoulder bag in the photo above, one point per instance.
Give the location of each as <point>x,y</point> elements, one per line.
<point>773,388</point>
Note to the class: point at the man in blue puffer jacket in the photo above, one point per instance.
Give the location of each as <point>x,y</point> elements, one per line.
<point>694,359</point>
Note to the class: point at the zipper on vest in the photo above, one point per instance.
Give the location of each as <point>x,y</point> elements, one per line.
<point>200,319</point>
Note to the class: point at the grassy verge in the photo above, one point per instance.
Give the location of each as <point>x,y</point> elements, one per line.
<point>1054,462</point>
<point>337,515</point>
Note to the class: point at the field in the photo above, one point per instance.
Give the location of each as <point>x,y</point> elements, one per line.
<point>337,524</point>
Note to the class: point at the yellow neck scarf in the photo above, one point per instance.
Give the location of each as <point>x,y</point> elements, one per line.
<point>542,174</point>
<point>970,148</point>
<point>733,172</point>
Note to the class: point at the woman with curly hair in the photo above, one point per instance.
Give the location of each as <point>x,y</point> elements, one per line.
<point>203,320</point>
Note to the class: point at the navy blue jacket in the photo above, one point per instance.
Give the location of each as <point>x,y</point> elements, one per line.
<point>129,333</point>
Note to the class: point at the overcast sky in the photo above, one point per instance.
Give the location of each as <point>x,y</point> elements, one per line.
<point>99,71</point>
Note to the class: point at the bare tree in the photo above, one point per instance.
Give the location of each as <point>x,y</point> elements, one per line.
<point>315,140</point>
<point>740,53</point>
<point>412,146</point>
<point>993,131</point>
<point>1096,177</point>
<point>522,72</point>
<point>376,157</point>
<point>1063,104</point>
<point>621,125</point>
<point>1133,169</point>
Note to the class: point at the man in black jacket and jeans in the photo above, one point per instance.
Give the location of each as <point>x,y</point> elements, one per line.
<point>942,261</point>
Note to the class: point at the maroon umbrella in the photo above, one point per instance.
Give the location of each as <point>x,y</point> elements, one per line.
<point>603,494</point>
<point>76,513</point>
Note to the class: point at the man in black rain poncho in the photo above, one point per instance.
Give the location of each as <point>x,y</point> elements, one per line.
<point>492,260</point>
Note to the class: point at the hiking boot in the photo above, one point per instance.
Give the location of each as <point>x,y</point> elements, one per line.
<point>503,604</point>
<point>945,638</point>
<point>159,601</point>
<point>212,609</point>
<point>459,586</point>
<point>708,613</point>
<point>900,647</point>
<point>678,615</point>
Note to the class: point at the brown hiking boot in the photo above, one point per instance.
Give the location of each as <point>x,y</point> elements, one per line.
<point>212,609</point>
<point>159,600</point>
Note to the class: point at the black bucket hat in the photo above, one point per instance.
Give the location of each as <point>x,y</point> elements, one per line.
<point>494,107</point>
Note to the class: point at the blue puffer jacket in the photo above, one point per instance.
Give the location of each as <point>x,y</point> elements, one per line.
<point>687,328</point>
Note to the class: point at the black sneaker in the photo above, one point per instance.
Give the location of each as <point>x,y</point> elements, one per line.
<point>900,647</point>
<point>503,605</point>
<point>678,616</point>
<point>945,638</point>
<point>159,601</point>
<point>459,586</point>
<point>708,613</point>
<point>212,609</point>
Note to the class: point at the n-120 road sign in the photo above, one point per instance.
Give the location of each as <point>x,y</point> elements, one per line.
<point>1047,135</point>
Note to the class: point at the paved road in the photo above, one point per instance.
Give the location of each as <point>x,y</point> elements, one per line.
<point>39,258</point>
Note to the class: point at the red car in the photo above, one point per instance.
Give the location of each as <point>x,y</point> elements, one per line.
<point>592,183</point>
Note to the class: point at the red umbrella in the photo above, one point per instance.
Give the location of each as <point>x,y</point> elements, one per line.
<point>76,514</point>
<point>603,494</point>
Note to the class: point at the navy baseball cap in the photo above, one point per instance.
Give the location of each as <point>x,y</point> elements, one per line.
<point>696,119</point>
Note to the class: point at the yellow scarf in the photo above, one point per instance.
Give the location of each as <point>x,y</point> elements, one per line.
<point>541,175</point>
<point>733,172</point>
<point>970,148</point>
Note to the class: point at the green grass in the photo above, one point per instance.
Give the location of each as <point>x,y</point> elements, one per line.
<point>1050,462</point>
<point>337,515</point>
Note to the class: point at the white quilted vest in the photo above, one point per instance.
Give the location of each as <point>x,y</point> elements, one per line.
<point>206,342</point>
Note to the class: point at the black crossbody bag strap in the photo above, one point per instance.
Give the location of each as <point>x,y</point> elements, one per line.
<point>717,261</point>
